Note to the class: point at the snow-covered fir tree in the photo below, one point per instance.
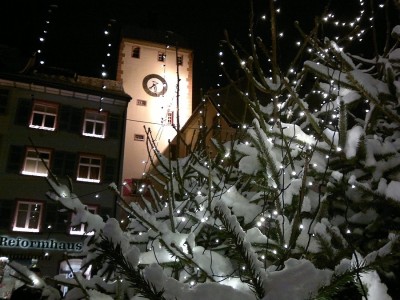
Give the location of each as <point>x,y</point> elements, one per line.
<point>303,204</point>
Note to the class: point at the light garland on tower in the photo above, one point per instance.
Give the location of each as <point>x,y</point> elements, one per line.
<point>44,33</point>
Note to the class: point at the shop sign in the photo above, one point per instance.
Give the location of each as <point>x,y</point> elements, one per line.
<point>24,243</point>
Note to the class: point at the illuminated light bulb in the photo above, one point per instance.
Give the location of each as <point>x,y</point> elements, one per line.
<point>338,149</point>
<point>353,186</point>
<point>243,267</point>
<point>49,227</point>
<point>262,256</point>
<point>348,231</point>
<point>41,39</point>
<point>275,212</point>
<point>301,226</point>
<point>259,224</point>
<point>262,219</point>
<point>106,32</point>
<point>274,251</point>
<point>192,283</point>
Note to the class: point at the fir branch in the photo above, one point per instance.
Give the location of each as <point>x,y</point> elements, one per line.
<point>113,255</point>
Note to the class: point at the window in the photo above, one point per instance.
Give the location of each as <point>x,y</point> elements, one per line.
<point>180,60</point>
<point>3,101</point>
<point>89,168</point>
<point>161,56</point>
<point>139,137</point>
<point>141,102</point>
<point>28,215</point>
<point>170,117</point>
<point>95,124</point>
<point>44,116</point>
<point>136,52</point>
<point>82,228</point>
<point>36,161</point>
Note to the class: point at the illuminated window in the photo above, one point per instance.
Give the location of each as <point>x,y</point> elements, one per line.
<point>28,215</point>
<point>170,117</point>
<point>136,52</point>
<point>94,124</point>
<point>141,102</point>
<point>161,56</point>
<point>82,228</point>
<point>89,168</point>
<point>139,137</point>
<point>180,60</point>
<point>35,162</point>
<point>44,116</point>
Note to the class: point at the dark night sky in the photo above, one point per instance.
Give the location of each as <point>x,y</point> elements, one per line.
<point>75,38</point>
<point>76,41</point>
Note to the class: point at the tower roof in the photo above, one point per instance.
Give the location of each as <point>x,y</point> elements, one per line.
<point>163,37</point>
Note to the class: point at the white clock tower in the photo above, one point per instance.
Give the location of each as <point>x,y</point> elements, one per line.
<point>157,73</point>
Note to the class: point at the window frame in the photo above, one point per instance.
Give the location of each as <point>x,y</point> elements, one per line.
<point>170,118</point>
<point>179,60</point>
<point>135,52</point>
<point>90,167</point>
<point>35,111</point>
<point>36,160</point>
<point>96,122</point>
<point>140,102</point>
<point>161,56</point>
<point>138,137</point>
<point>17,212</point>
<point>93,208</point>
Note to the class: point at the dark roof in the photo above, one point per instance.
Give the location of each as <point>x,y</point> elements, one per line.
<point>15,67</point>
<point>157,36</point>
<point>81,84</point>
<point>231,104</point>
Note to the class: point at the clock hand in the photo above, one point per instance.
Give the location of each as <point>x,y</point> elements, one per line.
<point>154,86</point>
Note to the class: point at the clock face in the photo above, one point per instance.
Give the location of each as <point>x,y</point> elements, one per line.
<point>155,85</point>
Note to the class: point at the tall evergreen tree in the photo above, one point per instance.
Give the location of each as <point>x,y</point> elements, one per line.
<point>303,204</point>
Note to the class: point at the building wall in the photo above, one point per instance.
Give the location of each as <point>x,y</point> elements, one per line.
<point>66,142</point>
<point>153,116</point>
